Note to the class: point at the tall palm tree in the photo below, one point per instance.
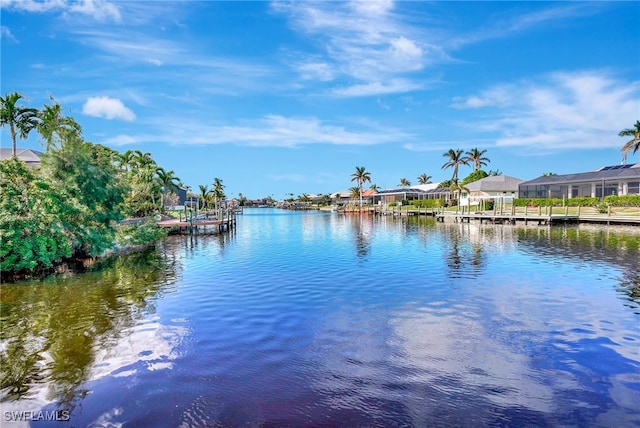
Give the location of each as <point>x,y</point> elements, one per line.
<point>424,179</point>
<point>475,157</point>
<point>634,143</point>
<point>169,182</point>
<point>52,124</point>
<point>20,119</point>
<point>404,183</point>
<point>455,160</point>
<point>205,193</point>
<point>361,176</point>
<point>218,190</point>
<point>126,159</point>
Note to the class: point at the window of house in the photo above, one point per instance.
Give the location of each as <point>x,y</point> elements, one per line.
<point>633,188</point>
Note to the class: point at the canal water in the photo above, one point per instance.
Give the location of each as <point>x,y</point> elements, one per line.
<point>327,319</point>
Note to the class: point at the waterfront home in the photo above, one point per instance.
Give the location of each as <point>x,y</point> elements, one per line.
<point>404,193</point>
<point>495,188</point>
<point>609,180</point>
<point>28,156</point>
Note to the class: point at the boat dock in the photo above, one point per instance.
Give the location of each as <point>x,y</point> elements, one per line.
<point>529,216</point>
<point>223,220</point>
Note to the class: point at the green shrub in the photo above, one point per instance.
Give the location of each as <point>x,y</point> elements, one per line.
<point>623,201</point>
<point>145,234</point>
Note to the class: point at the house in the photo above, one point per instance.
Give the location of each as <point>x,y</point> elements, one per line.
<point>496,188</point>
<point>609,180</point>
<point>28,156</point>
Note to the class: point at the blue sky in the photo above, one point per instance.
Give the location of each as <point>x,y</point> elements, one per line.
<point>289,97</point>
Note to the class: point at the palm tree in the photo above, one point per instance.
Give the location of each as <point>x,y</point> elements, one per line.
<point>20,119</point>
<point>217,191</point>
<point>374,187</point>
<point>205,193</point>
<point>634,143</point>
<point>456,188</point>
<point>475,156</point>
<point>355,191</point>
<point>404,183</point>
<point>169,182</point>
<point>424,179</point>
<point>455,160</point>
<point>126,159</point>
<point>52,123</point>
<point>361,176</point>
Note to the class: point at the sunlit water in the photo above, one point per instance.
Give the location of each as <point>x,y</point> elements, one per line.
<point>325,319</point>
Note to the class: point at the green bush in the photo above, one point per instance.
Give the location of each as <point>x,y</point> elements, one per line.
<point>145,234</point>
<point>556,202</point>
<point>623,201</point>
<point>427,203</point>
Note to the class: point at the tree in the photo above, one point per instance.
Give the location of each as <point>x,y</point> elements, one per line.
<point>170,183</point>
<point>374,187</point>
<point>548,174</point>
<point>204,196</point>
<point>304,198</point>
<point>634,143</point>
<point>475,176</point>
<point>455,160</point>
<point>52,125</point>
<point>20,119</point>
<point>85,176</point>
<point>424,179</point>
<point>355,192</point>
<point>475,157</point>
<point>360,177</point>
<point>404,183</point>
<point>456,188</point>
<point>32,235</point>
<point>218,191</point>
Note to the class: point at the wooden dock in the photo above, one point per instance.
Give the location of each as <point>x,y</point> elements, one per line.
<point>531,216</point>
<point>190,225</point>
<point>509,218</point>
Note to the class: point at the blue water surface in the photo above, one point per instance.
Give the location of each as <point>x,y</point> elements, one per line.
<point>327,319</point>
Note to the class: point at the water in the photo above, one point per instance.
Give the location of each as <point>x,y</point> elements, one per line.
<point>324,319</point>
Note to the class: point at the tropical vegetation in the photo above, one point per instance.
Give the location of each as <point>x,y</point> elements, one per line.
<point>634,143</point>
<point>72,206</point>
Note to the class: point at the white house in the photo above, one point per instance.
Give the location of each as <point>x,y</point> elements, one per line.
<point>496,188</point>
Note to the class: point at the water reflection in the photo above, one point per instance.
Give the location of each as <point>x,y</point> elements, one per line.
<point>55,331</point>
<point>328,319</point>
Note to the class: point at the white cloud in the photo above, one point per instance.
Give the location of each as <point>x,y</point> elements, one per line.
<point>108,108</point>
<point>378,88</point>
<point>559,111</point>
<point>5,33</point>
<point>267,131</point>
<point>316,71</point>
<point>100,10</point>
<point>363,41</point>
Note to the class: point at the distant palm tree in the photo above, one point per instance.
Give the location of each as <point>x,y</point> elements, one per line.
<point>218,191</point>
<point>20,119</point>
<point>634,143</point>
<point>52,124</point>
<point>374,187</point>
<point>424,179</point>
<point>169,182</point>
<point>404,182</point>
<point>126,159</point>
<point>475,156</point>
<point>456,188</point>
<point>361,176</point>
<point>455,160</point>
<point>204,195</point>
<point>355,193</point>
<point>304,198</point>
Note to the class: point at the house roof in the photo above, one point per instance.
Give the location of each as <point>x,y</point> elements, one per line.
<point>28,156</point>
<point>614,172</point>
<point>495,183</point>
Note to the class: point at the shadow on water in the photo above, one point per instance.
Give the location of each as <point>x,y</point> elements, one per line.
<point>52,329</point>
